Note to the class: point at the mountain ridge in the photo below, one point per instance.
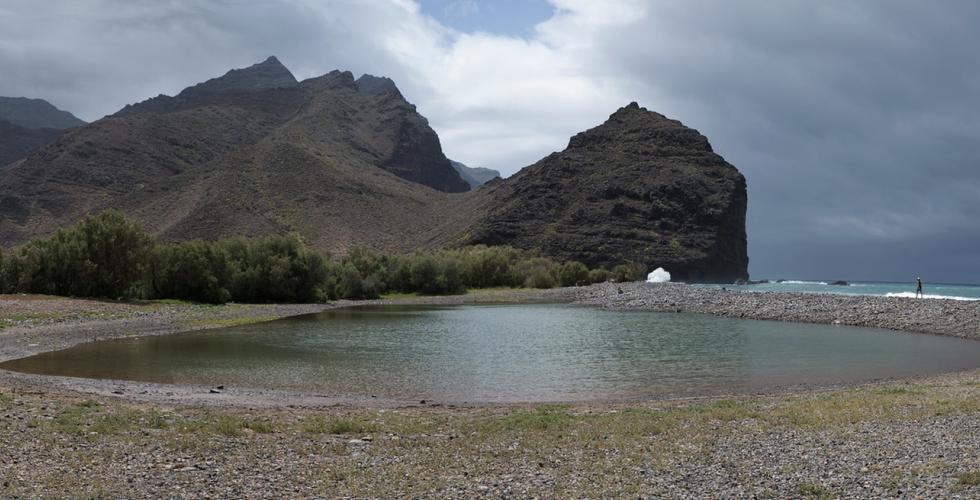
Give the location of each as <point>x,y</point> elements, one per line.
<point>474,176</point>
<point>349,162</point>
<point>36,114</point>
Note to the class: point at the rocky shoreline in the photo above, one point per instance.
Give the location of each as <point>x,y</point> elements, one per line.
<point>59,437</point>
<point>934,316</point>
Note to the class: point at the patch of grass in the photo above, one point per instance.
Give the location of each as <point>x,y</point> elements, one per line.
<point>725,410</point>
<point>861,405</point>
<point>172,302</point>
<point>319,424</point>
<point>493,289</point>
<point>542,418</point>
<point>890,391</point>
<point>812,490</point>
<point>968,479</point>
<point>16,319</point>
<point>399,295</point>
<point>233,425</point>
<point>5,399</point>
<point>115,423</point>
<point>75,418</point>
<point>154,419</point>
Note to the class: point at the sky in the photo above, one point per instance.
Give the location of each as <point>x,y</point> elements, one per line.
<point>856,124</point>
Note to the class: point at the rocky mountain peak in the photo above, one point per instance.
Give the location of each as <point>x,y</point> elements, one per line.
<point>333,80</point>
<point>650,132</point>
<point>370,84</point>
<point>268,74</point>
<point>639,187</point>
<point>35,114</point>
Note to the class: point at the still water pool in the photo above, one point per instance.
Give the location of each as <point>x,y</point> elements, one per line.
<point>512,353</point>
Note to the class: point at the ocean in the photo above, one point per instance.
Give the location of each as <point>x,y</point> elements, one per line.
<point>887,289</point>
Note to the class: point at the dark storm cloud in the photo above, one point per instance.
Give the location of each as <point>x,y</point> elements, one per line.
<point>855,123</point>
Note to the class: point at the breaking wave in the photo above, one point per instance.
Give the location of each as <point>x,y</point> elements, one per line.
<point>911,295</point>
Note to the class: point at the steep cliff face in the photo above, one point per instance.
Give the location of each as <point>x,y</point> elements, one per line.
<point>409,147</point>
<point>640,187</point>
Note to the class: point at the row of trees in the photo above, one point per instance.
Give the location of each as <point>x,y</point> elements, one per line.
<point>107,255</point>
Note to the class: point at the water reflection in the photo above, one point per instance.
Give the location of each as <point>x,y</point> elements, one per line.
<point>513,353</point>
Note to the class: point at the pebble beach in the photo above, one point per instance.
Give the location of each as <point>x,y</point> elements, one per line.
<point>916,438</point>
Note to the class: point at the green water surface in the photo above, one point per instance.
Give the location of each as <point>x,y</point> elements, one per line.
<point>513,353</point>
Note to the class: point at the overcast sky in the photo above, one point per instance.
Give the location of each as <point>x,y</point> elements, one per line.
<point>856,124</point>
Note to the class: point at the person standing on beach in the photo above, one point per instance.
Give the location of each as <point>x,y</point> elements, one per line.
<point>918,288</point>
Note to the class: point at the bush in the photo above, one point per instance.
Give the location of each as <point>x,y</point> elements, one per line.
<point>101,256</point>
<point>573,273</point>
<point>106,255</point>
<point>351,286</point>
<point>631,271</point>
<point>486,267</point>
<point>599,275</point>
<point>193,270</point>
<point>274,269</point>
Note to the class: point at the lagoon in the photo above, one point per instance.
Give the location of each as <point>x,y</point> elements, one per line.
<point>513,353</point>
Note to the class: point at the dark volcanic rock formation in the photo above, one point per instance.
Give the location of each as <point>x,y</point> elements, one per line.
<point>36,114</point>
<point>639,187</point>
<point>370,84</point>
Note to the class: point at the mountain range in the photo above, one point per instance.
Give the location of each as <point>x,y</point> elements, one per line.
<point>28,124</point>
<point>347,161</point>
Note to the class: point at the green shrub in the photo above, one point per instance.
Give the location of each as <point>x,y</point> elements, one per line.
<point>631,271</point>
<point>106,255</point>
<point>573,273</point>
<point>350,285</point>
<point>101,256</point>
<point>599,275</point>
<point>193,270</point>
<point>275,269</point>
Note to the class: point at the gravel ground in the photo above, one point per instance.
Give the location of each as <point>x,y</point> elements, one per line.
<point>909,440</point>
<point>905,439</point>
<point>936,316</point>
